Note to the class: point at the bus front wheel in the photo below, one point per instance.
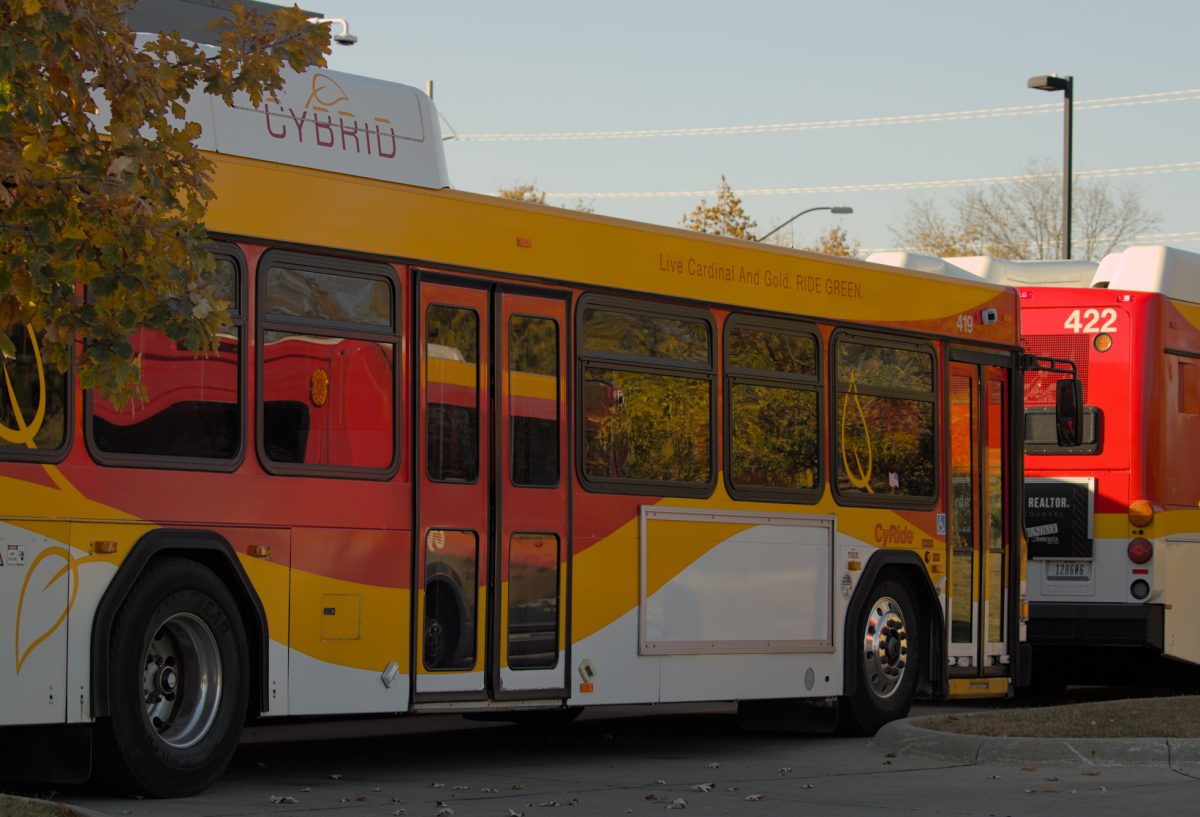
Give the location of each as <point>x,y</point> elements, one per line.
<point>179,683</point>
<point>887,650</point>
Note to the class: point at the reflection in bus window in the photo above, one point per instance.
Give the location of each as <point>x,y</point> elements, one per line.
<point>192,405</point>
<point>630,333</point>
<point>303,293</point>
<point>773,436</point>
<point>644,426</point>
<point>962,508</point>
<point>886,367</point>
<point>533,400</point>
<point>533,560</point>
<point>883,427</point>
<point>994,473</point>
<point>327,400</point>
<point>773,407</point>
<point>451,583</point>
<point>769,351</point>
<point>22,376</point>
<point>451,393</point>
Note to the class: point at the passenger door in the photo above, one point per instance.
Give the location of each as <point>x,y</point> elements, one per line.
<point>529,610</point>
<point>490,612</point>
<point>981,569</point>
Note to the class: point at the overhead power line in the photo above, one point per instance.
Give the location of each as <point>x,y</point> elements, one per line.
<point>1133,170</point>
<point>1185,95</point>
<point>1186,237</point>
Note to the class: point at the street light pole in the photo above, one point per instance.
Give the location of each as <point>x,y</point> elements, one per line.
<point>839,209</point>
<point>1067,86</point>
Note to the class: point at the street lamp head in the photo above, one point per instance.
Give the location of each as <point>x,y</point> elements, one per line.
<point>839,209</point>
<point>1051,82</point>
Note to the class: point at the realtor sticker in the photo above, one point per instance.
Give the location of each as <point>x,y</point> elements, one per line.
<point>14,555</point>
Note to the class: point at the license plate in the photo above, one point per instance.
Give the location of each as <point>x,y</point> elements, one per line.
<point>1069,571</point>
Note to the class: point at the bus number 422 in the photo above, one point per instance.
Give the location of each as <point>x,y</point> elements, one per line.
<point>1088,321</point>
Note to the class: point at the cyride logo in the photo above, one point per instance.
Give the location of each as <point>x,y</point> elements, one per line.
<point>316,122</point>
<point>893,535</point>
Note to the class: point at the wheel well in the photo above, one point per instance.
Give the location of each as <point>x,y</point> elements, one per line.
<point>904,567</point>
<point>215,553</point>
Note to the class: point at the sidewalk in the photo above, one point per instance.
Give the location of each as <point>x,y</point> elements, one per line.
<point>908,738</point>
<point>13,806</point>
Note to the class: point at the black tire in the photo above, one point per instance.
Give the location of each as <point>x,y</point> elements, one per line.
<point>179,685</point>
<point>886,640</point>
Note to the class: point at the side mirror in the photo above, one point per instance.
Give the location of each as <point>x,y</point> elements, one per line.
<point>1068,411</point>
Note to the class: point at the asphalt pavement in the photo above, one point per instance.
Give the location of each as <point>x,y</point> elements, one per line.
<point>650,760</point>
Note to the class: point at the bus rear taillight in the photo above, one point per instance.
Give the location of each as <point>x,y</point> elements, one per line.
<point>1140,551</point>
<point>1141,513</point>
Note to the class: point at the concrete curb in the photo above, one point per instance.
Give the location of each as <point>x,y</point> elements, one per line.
<point>908,737</point>
<point>12,805</point>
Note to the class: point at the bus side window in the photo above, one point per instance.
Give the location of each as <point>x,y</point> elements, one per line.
<point>883,427</point>
<point>773,400</point>
<point>533,399</point>
<point>31,425</point>
<point>648,383</point>
<point>328,358</point>
<point>193,404</point>
<point>452,393</point>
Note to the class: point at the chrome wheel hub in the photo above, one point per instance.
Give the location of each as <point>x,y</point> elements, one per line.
<point>885,647</point>
<point>182,680</point>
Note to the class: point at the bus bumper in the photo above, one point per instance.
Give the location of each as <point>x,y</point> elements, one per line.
<point>1096,625</point>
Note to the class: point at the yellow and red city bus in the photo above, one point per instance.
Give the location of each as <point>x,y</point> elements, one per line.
<point>1111,520</point>
<point>462,454</point>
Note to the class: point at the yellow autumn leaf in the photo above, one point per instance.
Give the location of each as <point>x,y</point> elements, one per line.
<point>32,6</point>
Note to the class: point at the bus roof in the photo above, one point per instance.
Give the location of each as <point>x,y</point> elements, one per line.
<point>1004,271</point>
<point>1154,268</point>
<point>1167,270</point>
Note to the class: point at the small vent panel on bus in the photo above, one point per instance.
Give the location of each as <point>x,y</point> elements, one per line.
<point>1039,386</point>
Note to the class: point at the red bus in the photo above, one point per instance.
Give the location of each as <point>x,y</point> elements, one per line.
<point>1112,523</point>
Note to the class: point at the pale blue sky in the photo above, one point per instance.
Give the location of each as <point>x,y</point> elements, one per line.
<point>530,66</point>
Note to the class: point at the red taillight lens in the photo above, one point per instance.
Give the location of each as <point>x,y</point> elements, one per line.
<point>1140,551</point>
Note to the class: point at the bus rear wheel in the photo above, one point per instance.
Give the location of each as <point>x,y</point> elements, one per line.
<point>887,649</point>
<point>179,684</point>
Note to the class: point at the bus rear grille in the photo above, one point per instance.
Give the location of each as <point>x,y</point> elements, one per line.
<point>1039,386</point>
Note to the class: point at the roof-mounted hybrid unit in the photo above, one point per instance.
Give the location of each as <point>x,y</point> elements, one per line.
<point>326,120</point>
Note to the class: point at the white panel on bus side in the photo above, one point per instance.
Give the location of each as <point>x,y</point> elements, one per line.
<point>331,689</point>
<point>618,675</point>
<point>716,581</point>
<point>35,594</point>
